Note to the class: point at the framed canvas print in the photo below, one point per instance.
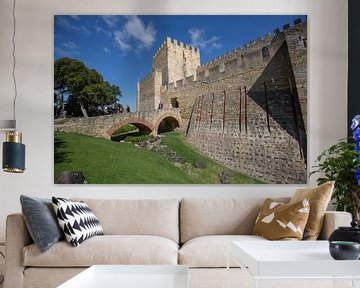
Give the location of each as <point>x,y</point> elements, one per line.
<point>180,99</point>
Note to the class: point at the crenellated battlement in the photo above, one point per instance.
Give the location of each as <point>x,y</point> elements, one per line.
<point>241,51</point>
<point>248,56</point>
<point>177,65</point>
<point>171,43</point>
<point>183,45</point>
<point>147,76</point>
<point>184,83</point>
<point>251,46</point>
<point>176,60</point>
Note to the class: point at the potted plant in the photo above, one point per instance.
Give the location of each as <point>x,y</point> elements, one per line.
<point>341,163</point>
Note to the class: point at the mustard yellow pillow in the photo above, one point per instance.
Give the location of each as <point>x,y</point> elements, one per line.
<point>319,198</point>
<point>279,221</point>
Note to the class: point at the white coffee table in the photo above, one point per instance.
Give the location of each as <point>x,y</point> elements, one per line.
<point>292,260</point>
<point>131,276</point>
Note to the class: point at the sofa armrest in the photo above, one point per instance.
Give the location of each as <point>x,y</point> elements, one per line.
<point>17,237</point>
<point>333,220</point>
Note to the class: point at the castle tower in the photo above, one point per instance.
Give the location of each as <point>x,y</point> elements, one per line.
<point>176,60</point>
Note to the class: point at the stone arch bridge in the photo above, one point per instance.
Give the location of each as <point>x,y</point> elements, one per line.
<point>148,122</point>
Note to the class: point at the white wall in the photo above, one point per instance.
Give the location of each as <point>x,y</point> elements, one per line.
<point>327,95</point>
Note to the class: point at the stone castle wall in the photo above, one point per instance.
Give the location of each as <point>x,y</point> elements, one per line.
<point>239,67</point>
<point>176,60</point>
<point>172,62</point>
<point>150,86</point>
<point>104,126</point>
<point>296,39</point>
<point>247,108</point>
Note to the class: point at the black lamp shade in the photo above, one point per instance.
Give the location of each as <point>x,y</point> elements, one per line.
<point>13,157</point>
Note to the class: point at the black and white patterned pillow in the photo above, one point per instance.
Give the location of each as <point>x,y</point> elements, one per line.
<point>77,220</point>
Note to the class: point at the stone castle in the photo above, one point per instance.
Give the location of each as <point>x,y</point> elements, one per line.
<point>246,109</point>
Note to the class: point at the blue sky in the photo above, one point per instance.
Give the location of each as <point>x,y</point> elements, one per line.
<point>121,47</point>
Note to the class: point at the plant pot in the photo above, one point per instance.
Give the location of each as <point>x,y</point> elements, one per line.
<point>343,250</point>
<point>350,234</point>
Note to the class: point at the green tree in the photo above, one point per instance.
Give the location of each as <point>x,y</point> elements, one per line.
<point>86,91</point>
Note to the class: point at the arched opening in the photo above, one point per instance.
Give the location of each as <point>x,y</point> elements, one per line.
<point>130,130</point>
<point>168,124</point>
<point>174,102</point>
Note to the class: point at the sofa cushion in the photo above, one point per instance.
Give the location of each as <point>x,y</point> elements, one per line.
<point>211,251</point>
<point>279,221</point>
<point>201,217</point>
<point>319,198</point>
<point>41,221</point>
<point>77,220</point>
<point>158,217</point>
<point>107,249</point>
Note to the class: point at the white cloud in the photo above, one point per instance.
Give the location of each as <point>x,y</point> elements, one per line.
<point>121,41</point>
<point>66,53</point>
<point>196,34</point>
<point>199,39</point>
<point>70,45</point>
<point>106,50</point>
<point>216,45</point>
<point>64,22</point>
<point>99,30</point>
<point>85,30</point>
<point>67,49</point>
<point>76,17</point>
<point>133,34</point>
<point>110,20</point>
<point>144,35</point>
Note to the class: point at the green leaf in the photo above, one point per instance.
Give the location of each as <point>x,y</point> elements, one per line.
<point>339,163</point>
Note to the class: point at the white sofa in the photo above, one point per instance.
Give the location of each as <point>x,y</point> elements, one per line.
<point>194,232</point>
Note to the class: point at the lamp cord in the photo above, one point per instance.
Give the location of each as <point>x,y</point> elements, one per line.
<point>14,61</point>
<point>2,280</point>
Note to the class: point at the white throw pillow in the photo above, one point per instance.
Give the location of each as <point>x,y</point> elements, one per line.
<point>77,220</point>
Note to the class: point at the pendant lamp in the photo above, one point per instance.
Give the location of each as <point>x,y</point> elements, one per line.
<point>13,149</point>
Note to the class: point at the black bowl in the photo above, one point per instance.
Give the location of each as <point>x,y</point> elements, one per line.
<point>344,250</point>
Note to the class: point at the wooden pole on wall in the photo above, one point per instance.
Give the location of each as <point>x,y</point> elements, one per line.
<point>224,107</point>
<point>240,109</point>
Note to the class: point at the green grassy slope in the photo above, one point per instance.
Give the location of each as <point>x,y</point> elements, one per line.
<point>107,162</point>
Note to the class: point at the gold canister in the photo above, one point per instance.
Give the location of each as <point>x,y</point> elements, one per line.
<point>14,136</point>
